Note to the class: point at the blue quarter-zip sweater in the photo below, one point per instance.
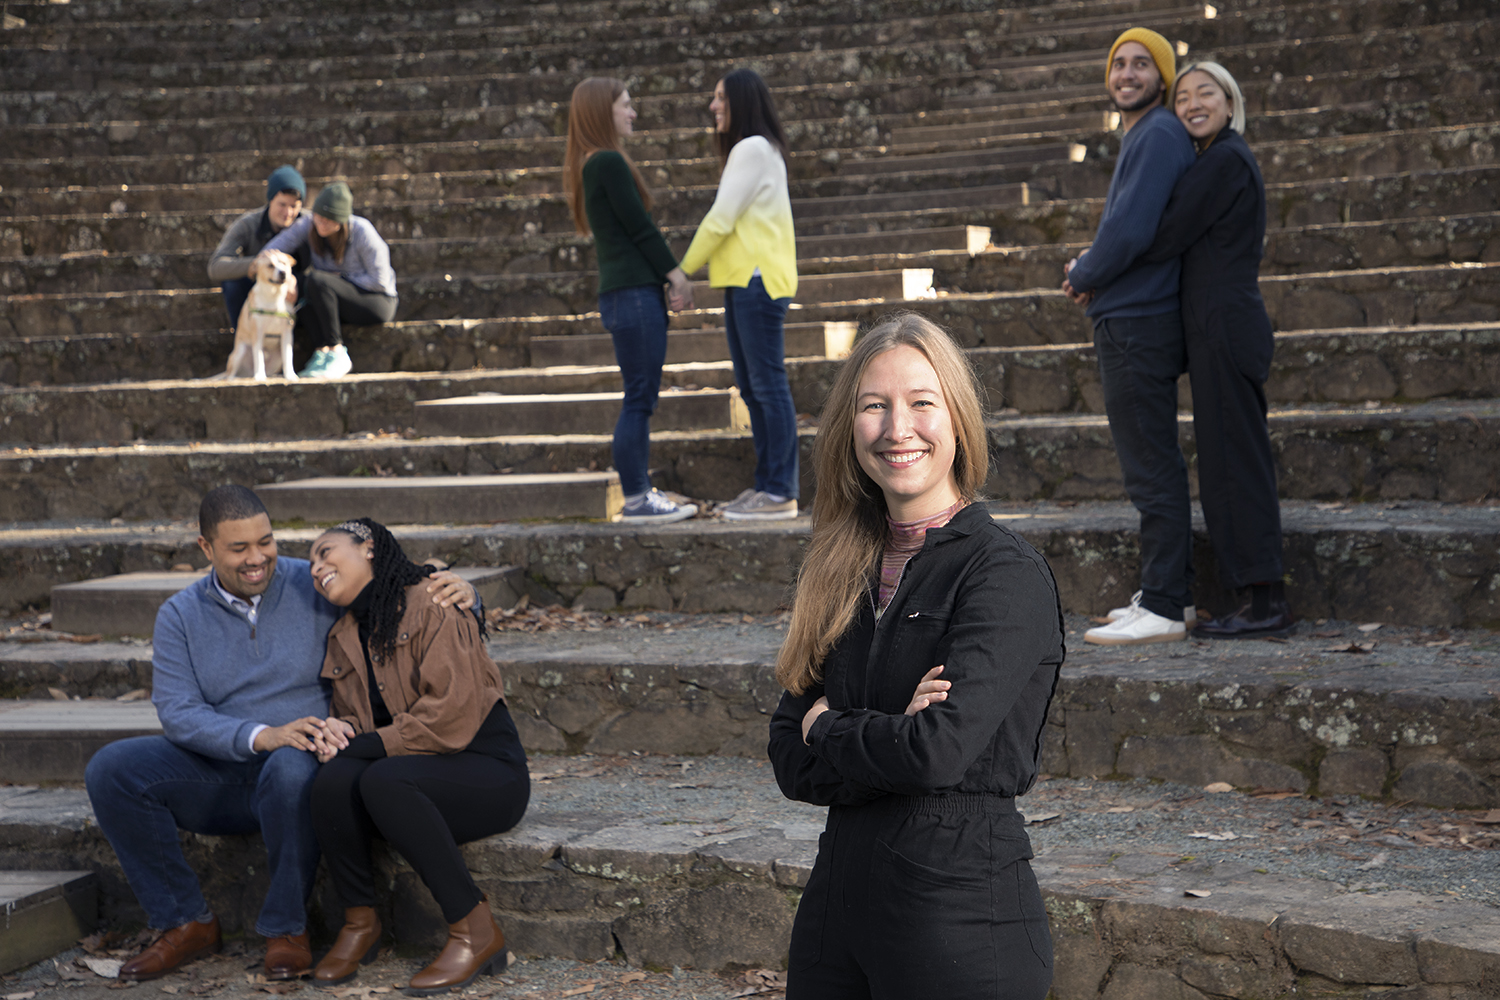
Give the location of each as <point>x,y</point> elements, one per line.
<point>215,677</point>
<point>1154,154</point>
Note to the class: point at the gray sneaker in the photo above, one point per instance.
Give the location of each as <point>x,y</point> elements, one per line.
<point>759,506</point>
<point>657,508</point>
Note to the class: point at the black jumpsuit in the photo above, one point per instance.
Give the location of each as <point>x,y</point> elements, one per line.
<point>1216,221</point>
<point>922,887</point>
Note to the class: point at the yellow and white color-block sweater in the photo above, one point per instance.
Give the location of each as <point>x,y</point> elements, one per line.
<point>750,224</point>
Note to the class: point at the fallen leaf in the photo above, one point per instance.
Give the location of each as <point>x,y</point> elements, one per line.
<point>1120,809</point>
<point>1199,893</point>
<point>1374,862</point>
<point>1226,835</point>
<point>1371,626</point>
<point>139,694</point>
<point>73,637</point>
<point>20,996</point>
<point>1039,817</point>
<point>109,968</point>
<point>1353,647</point>
<point>71,971</point>
<point>58,694</point>
<point>1328,635</point>
<point>1493,816</point>
<point>1219,787</point>
<point>632,977</point>
<point>279,988</point>
<point>580,991</point>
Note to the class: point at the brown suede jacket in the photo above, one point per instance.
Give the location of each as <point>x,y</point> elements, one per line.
<point>439,684</point>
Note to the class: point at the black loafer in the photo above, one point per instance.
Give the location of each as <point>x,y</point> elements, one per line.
<point>1240,625</point>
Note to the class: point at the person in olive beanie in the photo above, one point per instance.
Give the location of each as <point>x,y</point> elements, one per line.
<point>229,266</point>
<point>350,280</point>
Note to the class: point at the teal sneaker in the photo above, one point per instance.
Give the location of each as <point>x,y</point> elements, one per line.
<point>328,363</point>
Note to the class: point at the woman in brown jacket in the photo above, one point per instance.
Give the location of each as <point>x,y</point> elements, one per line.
<point>419,750</point>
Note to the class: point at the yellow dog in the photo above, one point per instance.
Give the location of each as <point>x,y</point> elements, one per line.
<point>267,314</point>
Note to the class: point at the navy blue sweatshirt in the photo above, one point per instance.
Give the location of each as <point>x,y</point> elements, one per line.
<point>1155,153</point>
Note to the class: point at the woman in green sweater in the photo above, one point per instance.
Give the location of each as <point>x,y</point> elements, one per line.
<point>610,199</point>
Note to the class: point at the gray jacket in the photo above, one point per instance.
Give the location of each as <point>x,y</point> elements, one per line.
<point>367,258</point>
<point>246,237</point>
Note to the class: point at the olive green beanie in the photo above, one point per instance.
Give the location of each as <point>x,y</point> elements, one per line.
<point>335,202</point>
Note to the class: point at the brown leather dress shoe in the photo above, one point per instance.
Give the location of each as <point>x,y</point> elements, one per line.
<point>476,945</point>
<point>288,956</point>
<point>358,944</point>
<point>176,946</point>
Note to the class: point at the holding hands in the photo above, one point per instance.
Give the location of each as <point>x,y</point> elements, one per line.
<point>333,736</point>
<point>679,290</point>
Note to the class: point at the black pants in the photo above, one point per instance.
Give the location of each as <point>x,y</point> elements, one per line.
<point>1140,359</point>
<point>423,805</point>
<point>1236,470</point>
<point>332,301</point>
<point>922,897</point>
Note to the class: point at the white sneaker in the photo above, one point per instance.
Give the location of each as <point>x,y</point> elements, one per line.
<point>1136,627</point>
<point>1189,613</point>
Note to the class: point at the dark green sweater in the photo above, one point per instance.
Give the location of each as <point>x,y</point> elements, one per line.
<point>630,248</point>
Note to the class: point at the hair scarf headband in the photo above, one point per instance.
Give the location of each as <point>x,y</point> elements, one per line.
<point>360,531</point>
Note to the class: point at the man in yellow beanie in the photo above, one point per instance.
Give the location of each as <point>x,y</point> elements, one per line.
<point>1138,336</point>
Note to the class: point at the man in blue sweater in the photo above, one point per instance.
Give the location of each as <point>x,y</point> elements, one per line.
<point>235,664</point>
<point>1138,335</point>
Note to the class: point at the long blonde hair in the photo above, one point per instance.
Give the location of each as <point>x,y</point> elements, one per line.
<point>591,127</point>
<point>849,529</point>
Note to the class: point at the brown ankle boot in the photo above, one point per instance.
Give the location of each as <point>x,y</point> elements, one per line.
<point>358,944</point>
<point>476,945</point>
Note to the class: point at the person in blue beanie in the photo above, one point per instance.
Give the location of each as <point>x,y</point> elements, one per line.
<point>236,658</point>
<point>1138,336</point>
<point>229,267</point>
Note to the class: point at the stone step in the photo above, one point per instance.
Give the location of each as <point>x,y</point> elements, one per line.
<point>438,499</point>
<point>1305,720</point>
<point>1342,162</point>
<point>49,741</point>
<point>1336,246</point>
<point>1405,560</point>
<point>126,604</point>
<point>1354,365</point>
<point>1354,297</point>
<point>708,878</point>
<point>45,912</point>
<point>583,413</point>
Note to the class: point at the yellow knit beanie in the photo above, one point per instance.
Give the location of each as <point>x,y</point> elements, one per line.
<point>1161,54</point>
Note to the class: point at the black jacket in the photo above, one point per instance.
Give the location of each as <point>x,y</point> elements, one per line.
<point>1216,221</point>
<point>978,599</point>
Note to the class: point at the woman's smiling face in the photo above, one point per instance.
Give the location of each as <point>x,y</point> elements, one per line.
<point>341,566</point>
<point>1202,106</point>
<point>903,434</point>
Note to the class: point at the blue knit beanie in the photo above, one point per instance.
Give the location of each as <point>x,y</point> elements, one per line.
<point>285,178</point>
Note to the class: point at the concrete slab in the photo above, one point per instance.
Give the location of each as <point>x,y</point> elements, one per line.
<point>451,499</point>
<point>575,413</point>
<point>45,741</point>
<point>126,604</point>
<point>42,913</point>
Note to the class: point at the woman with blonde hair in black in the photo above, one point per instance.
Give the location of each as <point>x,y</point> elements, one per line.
<point>923,651</point>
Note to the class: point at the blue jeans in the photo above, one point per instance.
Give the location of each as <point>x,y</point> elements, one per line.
<point>1140,359</point>
<point>145,789</point>
<point>753,322</point>
<point>636,318</point>
<point>235,294</point>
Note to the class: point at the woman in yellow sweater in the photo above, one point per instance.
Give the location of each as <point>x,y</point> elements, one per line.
<point>746,240</point>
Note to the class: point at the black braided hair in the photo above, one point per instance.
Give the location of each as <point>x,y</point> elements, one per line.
<point>393,573</point>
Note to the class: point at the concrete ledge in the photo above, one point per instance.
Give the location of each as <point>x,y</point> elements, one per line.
<point>44,913</point>
<point>453,499</point>
<point>578,885</point>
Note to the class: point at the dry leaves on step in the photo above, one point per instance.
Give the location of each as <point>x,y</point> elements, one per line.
<point>1219,787</point>
<point>631,977</point>
<point>1371,626</point>
<point>71,971</point>
<point>762,981</point>
<point>108,968</point>
<point>1226,835</point>
<point>359,991</point>
<point>19,996</point>
<point>1353,647</point>
<point>579,991</point>
<point>1039,817</point>
<point>1198,893</point>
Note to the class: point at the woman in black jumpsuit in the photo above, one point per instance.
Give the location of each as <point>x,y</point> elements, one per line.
<point>918,717</point>
<point>1216,222</point>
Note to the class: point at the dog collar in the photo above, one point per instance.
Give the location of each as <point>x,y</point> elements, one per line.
<point>268,312</point>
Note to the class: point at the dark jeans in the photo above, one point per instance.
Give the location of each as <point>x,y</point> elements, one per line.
<point>636,318</point>
<point>145,789</point>
<point>332,301</point>
<point>1140,359</point>
<point>1236,470</point>
<point>423,805</point>
<point>235,294</point>
<point>753,322</point>
<point>922,897</point>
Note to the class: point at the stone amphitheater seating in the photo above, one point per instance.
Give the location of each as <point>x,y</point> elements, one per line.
<point>949,157</point>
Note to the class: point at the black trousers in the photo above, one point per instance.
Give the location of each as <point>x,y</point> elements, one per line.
<point>423,805</point>
<point>1236,470</point>
<point>1140,360</point>
<point>332,301</point>
<point>929,896</point>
